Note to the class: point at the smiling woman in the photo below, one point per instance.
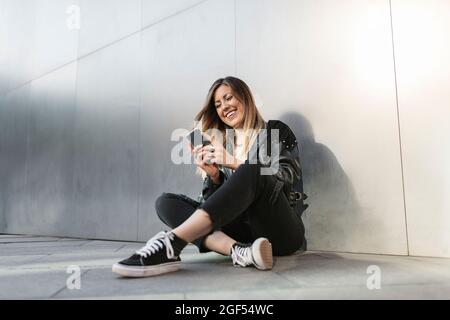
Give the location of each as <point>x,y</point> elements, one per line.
<point>230,105</point>
<point>234,104</point>
<point>242,212</point>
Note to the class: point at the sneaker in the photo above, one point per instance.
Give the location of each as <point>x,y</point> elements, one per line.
<point>258,254</point>
<point>156,257</point>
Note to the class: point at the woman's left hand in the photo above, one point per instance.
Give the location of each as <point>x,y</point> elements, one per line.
<point>216,153</point>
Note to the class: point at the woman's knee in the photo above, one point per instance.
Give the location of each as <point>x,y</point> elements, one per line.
<point>248,168</point>
<point>173,209</point>
<point>248,172</point>
<point>254,172</point>
<point>162,207</point>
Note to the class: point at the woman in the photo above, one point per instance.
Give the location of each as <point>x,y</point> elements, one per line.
<point>241,212</point>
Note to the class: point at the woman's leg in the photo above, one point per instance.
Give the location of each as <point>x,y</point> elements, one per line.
<point>249,191</point>
<point>219,242</point>
<point>197,225</point>
<point>258,254</point>
<point>173,210</point>
<point>277,222</point>
<point>244,189</point>
<point>161,254</point>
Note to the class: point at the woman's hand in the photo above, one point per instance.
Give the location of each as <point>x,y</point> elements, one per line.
<point>215,153</point>
<point>204,163</point>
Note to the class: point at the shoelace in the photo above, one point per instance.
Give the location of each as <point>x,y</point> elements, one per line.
<point>156,243</point>
<point>242,255</point>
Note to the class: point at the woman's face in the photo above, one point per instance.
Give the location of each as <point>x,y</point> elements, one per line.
<point>228,107</point>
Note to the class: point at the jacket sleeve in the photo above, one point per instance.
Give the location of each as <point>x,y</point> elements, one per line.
<point>209,187</point>
<point>287,161</point>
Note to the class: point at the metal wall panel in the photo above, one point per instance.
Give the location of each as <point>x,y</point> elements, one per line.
<point>422,60</point>
<point>56,35</point>
<point>3,159</point>
<point>182,56</point>
<point>326,68</point>
<point>3,45</point>
<point>83,154</point>
<point>106,21</point>
<point>106,143</point>
<point>50,153</point>
<point>155,10</point>
<point>14,115</point>
<point>17,44</point>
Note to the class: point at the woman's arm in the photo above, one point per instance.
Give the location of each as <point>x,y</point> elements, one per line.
<point>210,185</point>
<point>236,163</point>
<point>218,155</point>
<point>286,161</point>
<point>214,177</point>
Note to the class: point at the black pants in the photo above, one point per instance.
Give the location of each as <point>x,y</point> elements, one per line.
<point>241,209</point>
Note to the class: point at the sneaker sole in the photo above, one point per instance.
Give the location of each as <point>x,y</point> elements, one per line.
<point>262,254</point>
<point>139,272</point>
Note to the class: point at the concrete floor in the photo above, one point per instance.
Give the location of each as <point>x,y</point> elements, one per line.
<point>34,267</point>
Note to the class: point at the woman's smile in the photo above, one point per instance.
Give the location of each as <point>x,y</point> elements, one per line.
<point>231,114</point>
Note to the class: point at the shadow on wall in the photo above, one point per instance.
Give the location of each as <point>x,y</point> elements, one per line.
<point>333,215</point>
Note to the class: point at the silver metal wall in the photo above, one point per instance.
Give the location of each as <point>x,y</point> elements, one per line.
<point>86,114</point>
<point>422,53</point>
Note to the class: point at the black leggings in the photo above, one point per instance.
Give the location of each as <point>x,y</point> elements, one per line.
<point>241,209</point>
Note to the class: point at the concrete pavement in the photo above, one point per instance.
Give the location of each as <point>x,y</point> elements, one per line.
<point>36,267</point>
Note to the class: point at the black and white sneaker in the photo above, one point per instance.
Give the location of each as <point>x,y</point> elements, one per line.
<point>156,257</point>
<point>257,254</point>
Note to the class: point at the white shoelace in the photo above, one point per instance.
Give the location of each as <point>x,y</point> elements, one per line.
<point>242,255</point>
<point>158,242</point>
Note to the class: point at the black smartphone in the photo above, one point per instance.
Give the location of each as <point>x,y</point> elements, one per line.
<point>195,137</point>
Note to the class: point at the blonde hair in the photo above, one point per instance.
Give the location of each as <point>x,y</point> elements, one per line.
<point>209,119</point>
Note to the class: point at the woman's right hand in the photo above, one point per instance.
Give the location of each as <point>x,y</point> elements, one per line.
<point>200,153</point>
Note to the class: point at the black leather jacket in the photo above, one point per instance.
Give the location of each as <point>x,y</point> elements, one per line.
<point>289,175</point>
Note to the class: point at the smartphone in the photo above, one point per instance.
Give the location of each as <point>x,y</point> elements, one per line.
<point>195,137</point>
